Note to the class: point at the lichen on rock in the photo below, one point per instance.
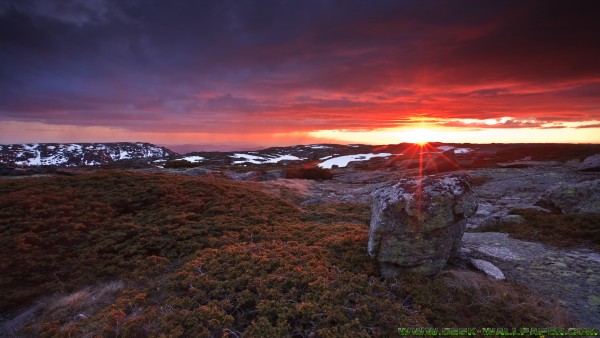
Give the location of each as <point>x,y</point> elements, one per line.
<point>418,223</point>
<point>575,198</point>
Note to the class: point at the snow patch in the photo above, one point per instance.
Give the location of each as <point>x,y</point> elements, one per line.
<point>456,150</point>
<point>74,148</point>
<point>193,159</point>
<point>445,148</point>
<point>284,158</point>
<point>462,150</point>
<point>123,154</point>
<point>343,161</point>
<point>247,158</point>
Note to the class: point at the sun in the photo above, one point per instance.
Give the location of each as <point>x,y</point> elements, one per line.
<point>419,136</point>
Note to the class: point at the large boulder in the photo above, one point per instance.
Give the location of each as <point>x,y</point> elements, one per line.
<point>575,198</point>
<point>441,162</point>
<point>591,163</point>
<point>417,224</point>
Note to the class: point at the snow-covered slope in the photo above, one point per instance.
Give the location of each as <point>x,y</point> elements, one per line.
<point>74,154</point>
<point>247,158</point>
<point>343,161</point>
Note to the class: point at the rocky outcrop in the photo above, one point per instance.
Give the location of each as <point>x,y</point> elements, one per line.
<point>417,224</point>
<point>570,276</point>
<point>591,163</point>
<point>581,197</point>
<point>442,162</point>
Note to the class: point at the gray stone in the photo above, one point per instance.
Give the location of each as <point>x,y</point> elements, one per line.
<point>272,175</point>
<point>511,220</point>
<point>581,197</point>
<point>244,176</point>
<point>488,268</point>
<point>445,161</point>
<point>312,201</point>
<point>591,163</point>
<point>571,277</point>
<point>500,220</point>
<point>417,224</point>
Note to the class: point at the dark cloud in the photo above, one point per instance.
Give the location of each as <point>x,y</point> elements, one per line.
<point>593,125</point>
<point>509,123</point>
<point>207,66</point>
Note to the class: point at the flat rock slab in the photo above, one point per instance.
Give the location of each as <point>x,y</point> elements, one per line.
<point>519,188</point>
<point>570,276</point>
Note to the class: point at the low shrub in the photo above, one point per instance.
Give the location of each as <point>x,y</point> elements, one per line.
<point>210,257</point>
<point>314,173</point>
<point>547,152</point>
<point>469,299</point>
<point>181,164</point>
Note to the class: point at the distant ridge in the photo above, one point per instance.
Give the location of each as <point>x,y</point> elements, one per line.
<point>78,154</point>
<point>189,148</point>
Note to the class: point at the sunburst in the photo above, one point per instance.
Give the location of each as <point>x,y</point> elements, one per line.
<point>420,136</point>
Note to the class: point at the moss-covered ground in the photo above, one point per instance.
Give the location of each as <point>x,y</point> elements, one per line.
<point>119,254</point>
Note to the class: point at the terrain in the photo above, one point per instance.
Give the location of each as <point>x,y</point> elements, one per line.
<point>234,244</point>
<point>77,154</point>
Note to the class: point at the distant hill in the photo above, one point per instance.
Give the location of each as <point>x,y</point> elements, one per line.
<point>77,154</point>
<point>188,148</point>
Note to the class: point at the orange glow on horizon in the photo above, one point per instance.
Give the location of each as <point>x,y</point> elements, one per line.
<point>420,133</point>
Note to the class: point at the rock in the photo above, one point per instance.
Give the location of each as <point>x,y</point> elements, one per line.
<point>203,172</point>
<point>445,161</point>
<point>465,251</point>
<point>272,175</point>
<point>488,268</point>
<point>410,164</point>
<point>567,275</point>
<point>312,201</point>
<point>244,176</point>
<point>581,197</point>
<point>591,163</point>
<point>511,220</point>
<point>417,225</point>
<point>501,220</point>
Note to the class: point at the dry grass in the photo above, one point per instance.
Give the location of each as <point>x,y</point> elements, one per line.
<point>485,293</point>
<point>67,308</point>
<point>292,189</point>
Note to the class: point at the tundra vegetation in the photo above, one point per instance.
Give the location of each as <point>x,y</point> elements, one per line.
<point>312,173</point>
<point>121,254</point>
<point>580,230</point>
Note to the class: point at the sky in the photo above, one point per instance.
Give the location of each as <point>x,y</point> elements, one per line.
<point>263,72</point>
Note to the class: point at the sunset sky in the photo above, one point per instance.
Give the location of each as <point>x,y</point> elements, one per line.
<point>288,72</point>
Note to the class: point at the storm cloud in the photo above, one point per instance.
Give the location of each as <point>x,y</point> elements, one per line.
<point>281,66</point>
